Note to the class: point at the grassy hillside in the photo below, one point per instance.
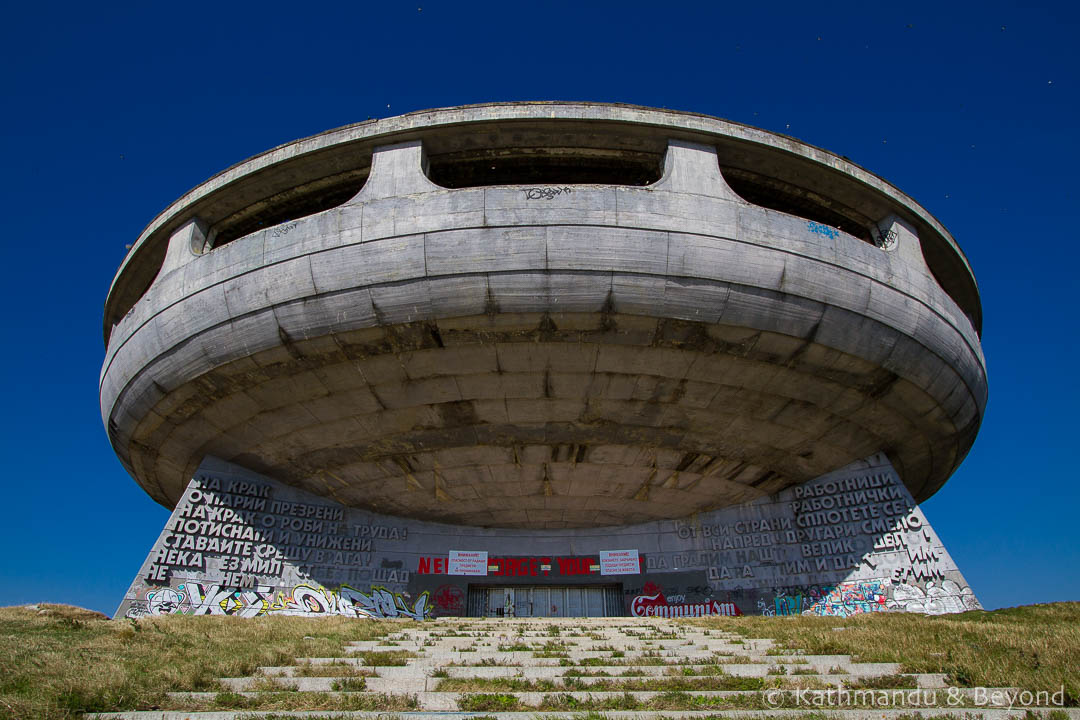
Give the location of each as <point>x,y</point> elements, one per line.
<point>57,661</point>
<point>1035,647</point>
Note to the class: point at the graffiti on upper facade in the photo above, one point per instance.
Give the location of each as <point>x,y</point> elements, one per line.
<point>545,193</point>
<point>196,598</point>
<point>948,597</point>
<point>886,240</point>
<point>282,230</point>
<point>821,229</point>
<point>652,603</point>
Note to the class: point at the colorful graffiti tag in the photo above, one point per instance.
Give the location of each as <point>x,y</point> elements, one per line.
<point>164,601</point>
<point>195,598</point>
<point>852,598</point>
<point>656,605</point>
<point>874,595</point>
<point>793,601</point>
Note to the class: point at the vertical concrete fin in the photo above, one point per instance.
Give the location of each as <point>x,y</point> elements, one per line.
<point>396,170</point>
<point>693,169</point>
<point>185,244</point>
<point>895,235</point>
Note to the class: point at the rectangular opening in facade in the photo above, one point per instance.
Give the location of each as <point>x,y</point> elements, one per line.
<point>545,601</point>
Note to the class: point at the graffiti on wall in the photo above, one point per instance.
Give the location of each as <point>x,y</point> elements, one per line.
<point>545,193</point>
<point>793,601</point>
<point>866,596</point>
<point>652,603</point>
<point>449,600</point>
<point>164,601</point>
<point>852,598</point>
<point>948,597</point>
<point>196,598</point>
<point>821,229</point>
<point>840,600</point>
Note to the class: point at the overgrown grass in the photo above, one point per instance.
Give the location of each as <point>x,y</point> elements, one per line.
<point>296,701</point>
<point>331,669</point>
<point>58,661</point>
<point>492,702</point>
<point>672,700</point>
<point>1035,647</point>
<point>882,682</point>
<point>654,683</point>
<point>349,684</point>
<point>384,658</point>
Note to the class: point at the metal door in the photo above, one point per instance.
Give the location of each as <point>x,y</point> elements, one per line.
<point>575,607</point>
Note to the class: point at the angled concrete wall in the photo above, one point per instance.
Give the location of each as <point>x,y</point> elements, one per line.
<point>849,542</point>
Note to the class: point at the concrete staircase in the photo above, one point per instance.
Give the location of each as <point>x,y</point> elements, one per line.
<point>573,667</point>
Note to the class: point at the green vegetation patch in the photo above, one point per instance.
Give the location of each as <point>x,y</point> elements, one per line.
<point>384,658</point>
<point>489,702</point>
<point>331,669</point>
<point>883,682</point>
<point>296,701</point>
<point>58,661</point>
<point>658,683</point>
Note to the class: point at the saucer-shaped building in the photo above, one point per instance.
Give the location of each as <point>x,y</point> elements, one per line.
<point>540,323</point>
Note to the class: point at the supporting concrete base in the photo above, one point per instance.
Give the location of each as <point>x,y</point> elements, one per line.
<point>848,542</point>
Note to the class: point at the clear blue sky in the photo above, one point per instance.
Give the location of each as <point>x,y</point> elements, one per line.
<point>114,111</point>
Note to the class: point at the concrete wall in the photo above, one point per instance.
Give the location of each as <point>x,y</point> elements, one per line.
<point>849,542</point>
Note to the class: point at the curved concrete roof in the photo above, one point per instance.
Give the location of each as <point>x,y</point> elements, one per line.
<point>334,151</point>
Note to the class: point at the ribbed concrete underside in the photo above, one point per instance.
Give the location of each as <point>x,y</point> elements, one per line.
<point>543,357</point>
<point>544,421</point>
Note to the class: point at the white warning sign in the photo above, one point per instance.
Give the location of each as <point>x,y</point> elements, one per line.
<point>619,562</point>
<point>467,562</point>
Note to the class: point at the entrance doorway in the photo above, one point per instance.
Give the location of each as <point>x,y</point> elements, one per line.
<point>545,601</point>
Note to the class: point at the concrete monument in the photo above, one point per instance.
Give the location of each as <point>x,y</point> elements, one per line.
<point>544,359</point>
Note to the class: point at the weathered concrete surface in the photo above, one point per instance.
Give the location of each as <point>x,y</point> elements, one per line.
<point>849,542</point>
<point>545,357</point>
<point>342,156</point>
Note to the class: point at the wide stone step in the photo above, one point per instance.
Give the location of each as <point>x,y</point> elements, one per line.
<point>535,701</point>
<point>882,714</point>
<point>581,643</point>
<point>408,686</point>
<point>422,683</point>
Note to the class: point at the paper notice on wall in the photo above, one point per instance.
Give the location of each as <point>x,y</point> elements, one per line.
<point>619,562</point>
<point>467,562</point>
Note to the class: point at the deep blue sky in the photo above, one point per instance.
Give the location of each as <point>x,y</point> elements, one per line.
<point>113,112</point>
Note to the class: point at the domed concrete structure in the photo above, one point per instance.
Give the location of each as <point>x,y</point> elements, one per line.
<point>543,317</point>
